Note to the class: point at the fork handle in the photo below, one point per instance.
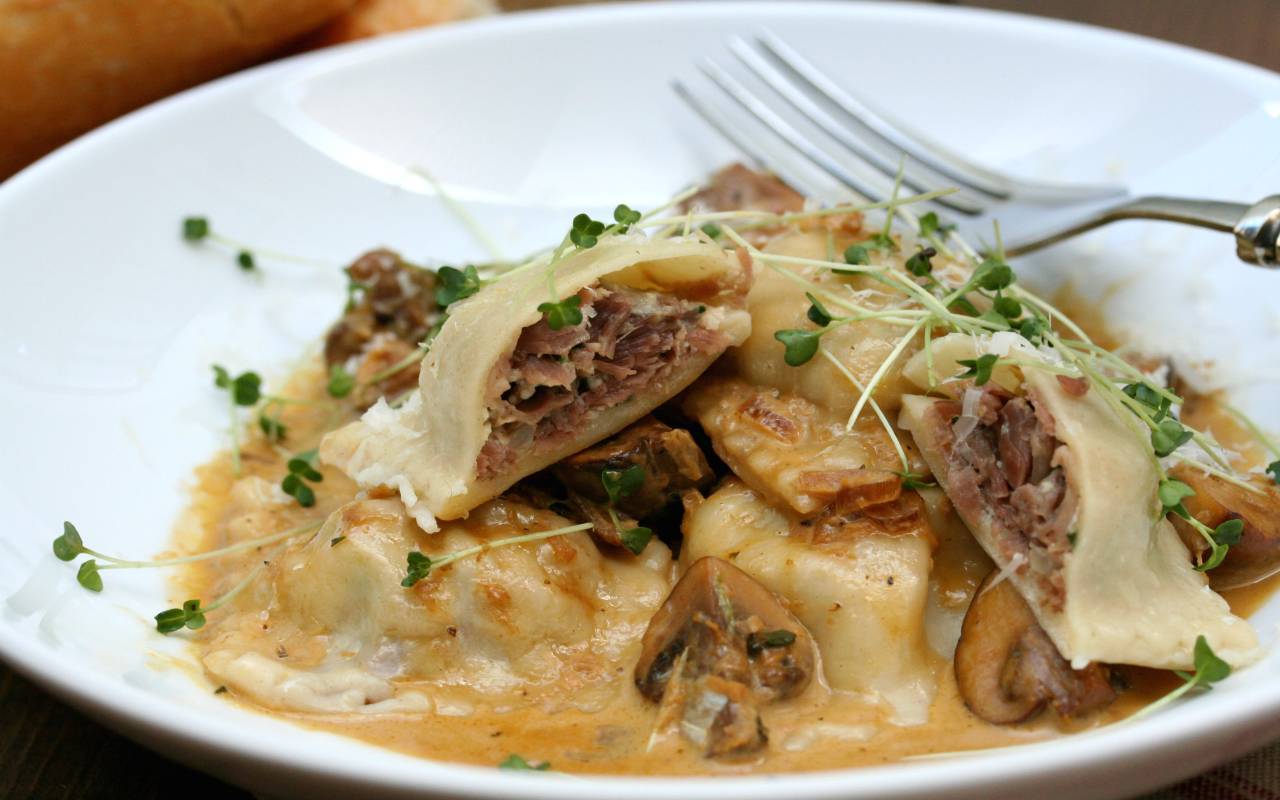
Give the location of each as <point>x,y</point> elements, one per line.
<point>1256,227</point>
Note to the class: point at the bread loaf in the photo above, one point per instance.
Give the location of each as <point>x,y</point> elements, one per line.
<point>67,66</point>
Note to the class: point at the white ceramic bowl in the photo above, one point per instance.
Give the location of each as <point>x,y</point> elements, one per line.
<point>110,322</point>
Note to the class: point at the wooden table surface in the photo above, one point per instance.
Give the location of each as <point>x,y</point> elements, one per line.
<point>47,750</point>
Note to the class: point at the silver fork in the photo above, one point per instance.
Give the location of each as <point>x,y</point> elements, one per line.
<point>845,145</point>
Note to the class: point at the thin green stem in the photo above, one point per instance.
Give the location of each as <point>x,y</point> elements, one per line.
<point>528,537</point>
<point>240,547</point>
<point>875,407</point>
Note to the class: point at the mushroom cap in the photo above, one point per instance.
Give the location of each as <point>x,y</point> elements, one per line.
<point>1007,668</point>
<point>753,625</point>
<point>1257,555</point>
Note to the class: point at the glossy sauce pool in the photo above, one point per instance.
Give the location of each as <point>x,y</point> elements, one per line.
<point>818,730</point>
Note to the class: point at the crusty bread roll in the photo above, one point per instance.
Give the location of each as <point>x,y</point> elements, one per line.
<point>375,17</point>
<point>67,66</point>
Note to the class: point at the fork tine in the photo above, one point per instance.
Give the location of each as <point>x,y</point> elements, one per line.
<point>755,153</point>
<point>901,139</point>
<point>785,131</point>
<point>774,78</point>
<point>889,134</point>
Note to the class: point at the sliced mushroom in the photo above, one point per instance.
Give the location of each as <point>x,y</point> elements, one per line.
<point>720,646</point>
<point>398,300</point>
<point>672,462</point>
<point>1257,555</point>
<point>1007,668</point>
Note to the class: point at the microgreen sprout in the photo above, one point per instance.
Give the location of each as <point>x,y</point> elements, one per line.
<point>199,230</point>
<point>70,546</point>
<point>818,313</point>
<point>978,368</point>
<point>456,284</point>
<point>191,615</point>
<point>420,566</point>
<point>301,470</point>
<point>619,484</point>
<point>517,763</point>
<point>244,389</point>
<point>272,427</point>
<point>920,264</point>
<point>800,345</point>
<point>585,232</point>
<point>625,216</point>
<point>713,230</point>
<point>1209,669</point>
<point>563,313</point>
<point>930,227</point>
<point>341,382</point>
<point>857,255</point>
<point>1168,435</point>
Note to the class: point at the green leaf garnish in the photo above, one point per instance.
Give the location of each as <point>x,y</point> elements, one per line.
<point>565,313</point>
<point>882,241</point>
<point>515,762</point>
<point>920,264</point>
<point>979,368</point>
<point>818,313</point>
<point>245,388</point>
<point>1033,329</point>
<point>636,539</point>
<point>456,284</point>
<point>1149,397</point>
<point>272,427</point>
<point>622,483</point>
<point>300,471</point>
<point>929,226</point>
<point>88,576</point>
<point>1168,436</point>
<point>625,216</point>
<point>69,545</point>
<point>1229,532</point>
<point>341,382</point>
<point>713,230</point>
<point>1274,469</point>
<point>175,619</point>
<point>195,229</point>
<point>245,259</point>
<point>993,275</point>
<point>585,232</point>
<point>760,641</point>
<point>857,255</point>
<point>800,345</point>
<point>1172,492</point>
<point>1008,308</point>
<point>419,568</point>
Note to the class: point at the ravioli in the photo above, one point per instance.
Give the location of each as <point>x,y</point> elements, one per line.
<point>503,394</point>
<point>862,598</point>
<point>1078,529</point>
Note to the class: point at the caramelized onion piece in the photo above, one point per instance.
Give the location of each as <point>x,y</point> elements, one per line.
<point>1007,668</point>
<point>720,646</point>
<point>1257,555</point>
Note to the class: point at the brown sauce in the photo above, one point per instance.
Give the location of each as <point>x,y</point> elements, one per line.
<point>819,730</point>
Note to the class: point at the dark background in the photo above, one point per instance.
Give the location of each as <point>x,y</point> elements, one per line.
<point>48,750</point>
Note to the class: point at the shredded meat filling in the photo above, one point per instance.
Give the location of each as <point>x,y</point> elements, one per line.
<point>554,380</point>
<point>1006,467</point>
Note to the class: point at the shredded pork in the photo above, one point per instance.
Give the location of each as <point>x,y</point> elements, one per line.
<point>1006,468</point>
<point>554,380</point>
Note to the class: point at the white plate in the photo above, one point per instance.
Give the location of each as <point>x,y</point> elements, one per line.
<point>110,322</point>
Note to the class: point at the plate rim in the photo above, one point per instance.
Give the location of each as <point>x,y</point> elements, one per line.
<point>147,717</point>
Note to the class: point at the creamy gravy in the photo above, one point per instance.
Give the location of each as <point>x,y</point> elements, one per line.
<point>821,729</point>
